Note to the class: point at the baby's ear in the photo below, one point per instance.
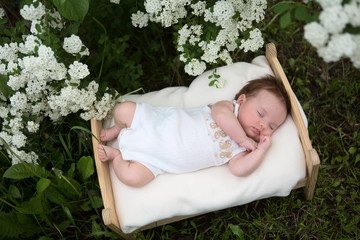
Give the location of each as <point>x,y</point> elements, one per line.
<point>241,99</point>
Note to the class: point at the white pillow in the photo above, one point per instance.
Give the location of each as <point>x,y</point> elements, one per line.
<point>215,188</point>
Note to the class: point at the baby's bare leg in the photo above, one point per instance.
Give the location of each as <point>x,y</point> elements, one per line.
<point>133,174</point>
<point>123,116</point>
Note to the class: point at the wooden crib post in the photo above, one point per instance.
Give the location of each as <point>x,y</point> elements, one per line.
<point>312,178</point>
<point>311,156</point>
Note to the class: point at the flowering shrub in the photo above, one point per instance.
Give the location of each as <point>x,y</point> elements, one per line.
<point>45,78</point>
<point>332,35</point>
<point>43,62</point>
<point>207,32</point>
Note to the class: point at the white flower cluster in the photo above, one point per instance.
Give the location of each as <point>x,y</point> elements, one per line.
<point>71,100</point>
<point>78,70</point>
<point>115,1</point>
<point>328,35</point>
<point>229,17</point>
<point>2,13</point>
<point>35,14</point>
<point>195,67</point>
<point>166,12</point>
<point>32,13</point>
<point>100,109</point>
<point>42,86</point>
<point>73,45</point>
<point>140,19</point>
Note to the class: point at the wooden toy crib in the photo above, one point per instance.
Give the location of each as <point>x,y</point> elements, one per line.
<point>308,183</point>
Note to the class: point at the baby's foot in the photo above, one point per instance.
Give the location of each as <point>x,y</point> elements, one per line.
<point>107,153</point>
<point>109,134</point>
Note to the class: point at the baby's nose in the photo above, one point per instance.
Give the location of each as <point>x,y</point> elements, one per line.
<point>264,129</point>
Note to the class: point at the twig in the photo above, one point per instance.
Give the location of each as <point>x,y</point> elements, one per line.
<point>337,129</point>
<point>271,21</point>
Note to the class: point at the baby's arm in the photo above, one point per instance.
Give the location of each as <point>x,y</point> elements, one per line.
<point>223,115</point>
<point>243,164</point>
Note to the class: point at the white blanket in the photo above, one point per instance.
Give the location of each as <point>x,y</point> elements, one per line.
<point>215,188</point>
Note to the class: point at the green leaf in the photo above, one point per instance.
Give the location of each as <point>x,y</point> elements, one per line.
<point>28,225</point>
<point>292,62</point>
<point>38,28</point>
<point>95,227</point>
<point>237,231</point>
<point>285,20</point>
<point>72,10</point>
<point>65,224</point>
<point>44,238</point>
<point>14,192</point>
<point>357,158</point>
<point>3,21</point>
<point>9,225</point>
<point>5,40</point>
<point>25,170</point>
<point>86,166</point>
<point>55,196</point>
<point>4,88</point>
<point>7,32</point>
<point>73,28</point>
<point>86,206</point>
<point>352,150</point>
<point>32,206</point>
<point>69,187</point>
<point>69,215</point>
<point>352,29</point>
<point>70,172</point>
<point>300,13</point>
<point>42,184</point>
<point>281,7</point>
<point>98,202</point>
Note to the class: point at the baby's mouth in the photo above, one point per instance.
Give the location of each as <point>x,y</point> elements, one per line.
<point>256,131</point>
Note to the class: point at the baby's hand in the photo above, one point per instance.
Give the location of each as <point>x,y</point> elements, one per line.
<point>265,143</point>
<point>249,144</point>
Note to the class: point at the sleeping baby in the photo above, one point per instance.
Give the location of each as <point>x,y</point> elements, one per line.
<point>153,140</point>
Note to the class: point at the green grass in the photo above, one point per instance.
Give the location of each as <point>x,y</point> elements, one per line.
<point>328,92</point>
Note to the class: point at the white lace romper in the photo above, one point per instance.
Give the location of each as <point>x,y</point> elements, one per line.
<point>175,140</point>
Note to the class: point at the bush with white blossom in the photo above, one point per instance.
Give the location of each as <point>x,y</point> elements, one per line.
<point>41,84</point>
<point>207,32</point>
<point>46,76</point>
<point>330,36</point>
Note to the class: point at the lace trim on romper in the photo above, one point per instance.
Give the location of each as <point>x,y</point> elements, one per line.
<point>224,147</point>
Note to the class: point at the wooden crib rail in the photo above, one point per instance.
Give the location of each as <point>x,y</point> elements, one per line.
<point>109,215</point>
<point>311,156</point>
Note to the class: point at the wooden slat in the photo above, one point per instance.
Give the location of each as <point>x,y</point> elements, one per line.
<point>301,183</point>
<point>311,156</point>
<point>109,215</point>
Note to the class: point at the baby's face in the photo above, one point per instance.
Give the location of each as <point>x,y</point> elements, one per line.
<point>261,115</point>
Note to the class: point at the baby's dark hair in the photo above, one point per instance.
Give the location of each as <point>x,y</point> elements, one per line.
<point>268,83</point>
